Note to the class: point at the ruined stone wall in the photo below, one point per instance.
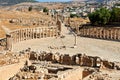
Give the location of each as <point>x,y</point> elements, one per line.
<point>79,59</point>
<point>100,33</point>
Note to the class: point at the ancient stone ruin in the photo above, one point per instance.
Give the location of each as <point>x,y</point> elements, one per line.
<point>52,66</point>
<point>100,33</point>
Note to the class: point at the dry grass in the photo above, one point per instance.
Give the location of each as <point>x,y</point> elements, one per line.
<point>2,33</point>
<point>5,15</point>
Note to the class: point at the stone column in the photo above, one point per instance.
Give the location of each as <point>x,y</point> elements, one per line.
<point>53,32</point>
<point>115,36</point>
<point>94,34</point>
<point>87,32</point>
<point>23,34</point>
<point>18,35</point>
<point>103,33</point>
<point>27,34</point>
<point>119,34</point>
<point>15,36</point>
<point>108,34</point>
<point>111,34</point>
<point>30,33</point>
<point>33,33</point>
<point>39,32</point>
<point>36,33</point>
<point>8,42</point>
<point>43,32</point>
<point>50,32</point>
<point>56,32</point>
<point>83,31</point>
<point>90,32</point>
<point>97,33</point>
<point>47,32</point>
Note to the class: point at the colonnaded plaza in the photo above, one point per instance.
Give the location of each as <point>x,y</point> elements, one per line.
<point>44,46</point>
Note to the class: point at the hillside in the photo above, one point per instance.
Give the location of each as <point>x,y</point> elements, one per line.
<point>12,2</point>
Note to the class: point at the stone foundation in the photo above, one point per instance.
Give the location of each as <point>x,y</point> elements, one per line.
<point>79,59</point>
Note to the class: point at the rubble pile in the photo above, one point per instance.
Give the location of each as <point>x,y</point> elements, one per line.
<point>8,58</point>
<point>99,76</point>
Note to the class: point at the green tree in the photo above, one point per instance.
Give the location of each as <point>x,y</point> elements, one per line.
<point>73,15</point>
<point>115,15</point>
<point>30,8</point>
<point>45,10</point>
<point>100,17</point>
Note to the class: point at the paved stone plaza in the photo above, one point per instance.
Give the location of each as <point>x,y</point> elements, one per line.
<point>95,47</point>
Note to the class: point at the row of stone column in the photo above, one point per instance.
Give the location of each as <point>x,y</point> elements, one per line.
<point>33,33</point>
<point>102,33</point>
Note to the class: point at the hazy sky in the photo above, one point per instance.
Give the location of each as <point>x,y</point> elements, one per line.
<point>53,0</point>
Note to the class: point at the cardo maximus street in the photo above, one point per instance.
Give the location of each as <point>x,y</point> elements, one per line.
<point>38,45</point>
